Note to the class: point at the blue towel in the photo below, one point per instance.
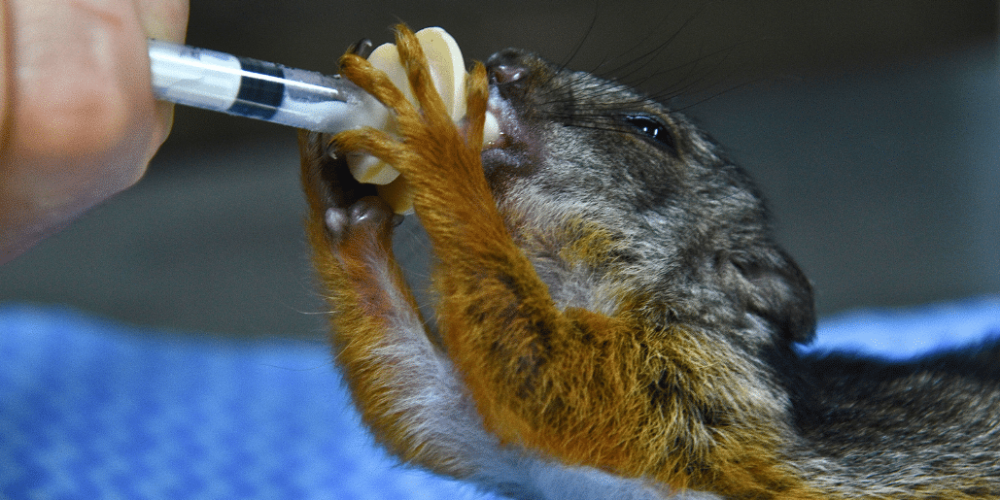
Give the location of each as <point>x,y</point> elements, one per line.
<point>899,334</point>
<point>92,409</point>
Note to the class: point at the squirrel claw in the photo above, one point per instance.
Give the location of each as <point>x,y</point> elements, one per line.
<point>370,211</point>
<point>369,214</point>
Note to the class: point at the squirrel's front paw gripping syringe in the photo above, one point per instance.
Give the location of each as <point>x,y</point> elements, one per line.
<point>305,99</point>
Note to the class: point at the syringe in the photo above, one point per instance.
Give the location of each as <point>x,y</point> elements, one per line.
<point>255,89</point>
<point>305,99</point>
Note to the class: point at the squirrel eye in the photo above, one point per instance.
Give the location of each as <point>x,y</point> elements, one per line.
<point>654,129</point>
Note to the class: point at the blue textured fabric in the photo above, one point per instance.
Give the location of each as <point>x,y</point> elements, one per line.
<point>900,334</point>
<point>91,409</point>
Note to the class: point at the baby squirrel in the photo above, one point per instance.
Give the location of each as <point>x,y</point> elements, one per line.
<point>614,319</point>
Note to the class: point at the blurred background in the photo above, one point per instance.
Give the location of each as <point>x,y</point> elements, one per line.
<point>872,125</point>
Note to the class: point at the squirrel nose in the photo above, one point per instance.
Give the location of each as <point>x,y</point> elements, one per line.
<point>506,67</point>
<point>506,74</point>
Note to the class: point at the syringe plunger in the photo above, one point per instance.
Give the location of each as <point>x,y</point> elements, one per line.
<point>256,89</point>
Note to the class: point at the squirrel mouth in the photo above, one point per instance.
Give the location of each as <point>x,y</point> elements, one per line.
<point>506,130</point>
<point>504,118</point>
<point>509,150</point>
<point>498,121</point>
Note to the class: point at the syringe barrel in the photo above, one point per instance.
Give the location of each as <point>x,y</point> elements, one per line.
<point>256,89</point>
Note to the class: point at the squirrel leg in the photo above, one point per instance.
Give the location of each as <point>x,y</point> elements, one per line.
<point>406,390</point>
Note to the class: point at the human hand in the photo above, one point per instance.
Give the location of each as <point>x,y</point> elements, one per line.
<point>78,122</point>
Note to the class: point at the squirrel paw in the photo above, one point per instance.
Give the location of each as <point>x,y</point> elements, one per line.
<point>345,213</point>
<point>427,132</point>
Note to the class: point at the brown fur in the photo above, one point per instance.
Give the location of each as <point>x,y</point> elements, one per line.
<point>637,391</point>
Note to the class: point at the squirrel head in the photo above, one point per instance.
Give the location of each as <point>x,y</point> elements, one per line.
<point>695,228</point>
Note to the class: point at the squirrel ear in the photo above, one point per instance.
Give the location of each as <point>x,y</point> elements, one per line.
<point>779,292</point>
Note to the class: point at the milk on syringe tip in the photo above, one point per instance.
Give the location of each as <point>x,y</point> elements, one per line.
<point>256,89</point>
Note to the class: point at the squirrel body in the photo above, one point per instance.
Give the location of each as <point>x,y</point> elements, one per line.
<point>613,317</point>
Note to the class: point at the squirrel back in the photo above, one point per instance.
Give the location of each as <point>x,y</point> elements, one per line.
<point>613,317</point>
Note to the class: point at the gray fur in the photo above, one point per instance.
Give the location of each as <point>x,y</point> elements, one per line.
<point>698,237</point>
